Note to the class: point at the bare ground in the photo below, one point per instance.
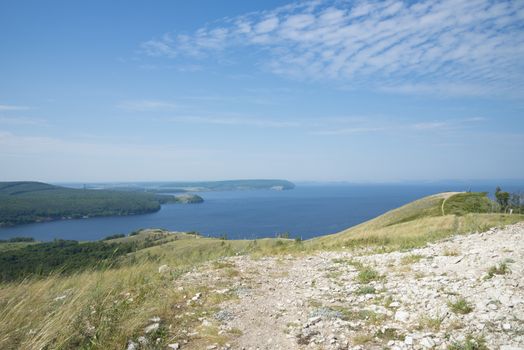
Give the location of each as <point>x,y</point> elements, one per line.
<point>439,296</point>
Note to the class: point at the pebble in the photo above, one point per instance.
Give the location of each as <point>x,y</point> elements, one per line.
<point>402,316</point>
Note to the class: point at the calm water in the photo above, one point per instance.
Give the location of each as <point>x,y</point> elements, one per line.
<point>305,211</point>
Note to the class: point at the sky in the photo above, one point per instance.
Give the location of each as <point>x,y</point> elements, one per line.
<point>323,90</point>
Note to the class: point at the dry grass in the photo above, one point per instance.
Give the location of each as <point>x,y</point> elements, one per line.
<point>411,226</point>
<point>105,309</point>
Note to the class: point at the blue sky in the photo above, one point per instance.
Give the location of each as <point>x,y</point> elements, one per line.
<point>312,90</point>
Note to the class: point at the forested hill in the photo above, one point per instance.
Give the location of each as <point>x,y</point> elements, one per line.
<point>26,202</point>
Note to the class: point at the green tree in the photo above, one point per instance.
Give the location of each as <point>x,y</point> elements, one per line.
<point>502,198</point>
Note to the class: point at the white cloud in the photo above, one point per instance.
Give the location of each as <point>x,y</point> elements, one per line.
<point>266,25</point>
<point>12,108</point>
<point>21,121</point>
<point>147,105</point>
<point>423,47</point>
<point>235,121</point>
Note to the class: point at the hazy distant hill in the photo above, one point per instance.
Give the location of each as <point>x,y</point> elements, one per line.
<point>192,186</point>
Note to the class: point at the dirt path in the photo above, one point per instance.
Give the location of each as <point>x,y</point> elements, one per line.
<point>322,302</point>
<point>447,196</point>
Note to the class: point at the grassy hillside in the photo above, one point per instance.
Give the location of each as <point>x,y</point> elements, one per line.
<point>423,220</point>
<point>25,202</point>
<point>104,308</point>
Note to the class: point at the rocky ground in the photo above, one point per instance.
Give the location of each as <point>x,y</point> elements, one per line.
<point>464,290</point>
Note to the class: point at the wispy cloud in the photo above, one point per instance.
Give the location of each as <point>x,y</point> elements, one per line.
<point>235,121</point>
<point>13,144</point>
<point>341,125</point>
<point>456,47</point>
<point>12,108</point>
<point>147,105</point>
<point>379,125</point>
<point>21,121</point>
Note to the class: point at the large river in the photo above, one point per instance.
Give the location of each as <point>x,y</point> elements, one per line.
<point>306,211</point>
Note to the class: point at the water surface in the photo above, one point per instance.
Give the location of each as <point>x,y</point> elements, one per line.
<point>306,211</point>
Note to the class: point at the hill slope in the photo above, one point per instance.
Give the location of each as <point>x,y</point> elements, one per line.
<point>423,220</point>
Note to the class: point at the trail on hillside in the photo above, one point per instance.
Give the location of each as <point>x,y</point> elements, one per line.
<point>333,300</point>
<point>446,196</point>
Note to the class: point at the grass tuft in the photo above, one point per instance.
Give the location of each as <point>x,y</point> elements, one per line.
<point>470,343</point>
<point>499,269</point>
<point>368,274</point>
<point>460,306</point>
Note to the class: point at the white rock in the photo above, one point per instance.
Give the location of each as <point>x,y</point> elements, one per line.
<point>174,346</point>
<point>196,297</point>
<point>427,343</point>
<point>151,328</point>
<point>163,269</point>
<point>402,316</point>
<point>142,340</point>
<point>395,304</point>
<point>132,346</point>
<point>408,340</point>
<point>506,326</point>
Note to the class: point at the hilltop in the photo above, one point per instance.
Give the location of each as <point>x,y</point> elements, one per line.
<point>414,277</point>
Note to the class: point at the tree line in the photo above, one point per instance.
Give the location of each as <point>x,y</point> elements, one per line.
<point>509,202</point>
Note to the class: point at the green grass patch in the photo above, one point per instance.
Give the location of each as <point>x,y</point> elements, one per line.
<point>430,323</point>
<point>365,290</point>
<point>368,274</point>
<point>460,306</point>
<point>470,202</point>
<point>499,269</point>
<point>411,259</point>
<point>470,343</point>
